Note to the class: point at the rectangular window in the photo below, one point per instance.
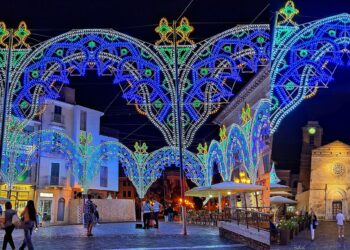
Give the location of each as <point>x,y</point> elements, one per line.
<point>58,110</point>
<point>55,174</point>
<point>57,115</point>
<point>104,176</point>
<point>124,194</point>
<point>83,120</point>
<point>312,140</point>
<point>124,183</point>
<point>129,193</point>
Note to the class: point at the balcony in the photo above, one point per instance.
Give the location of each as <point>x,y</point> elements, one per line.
<point>57,119</point>
<point>53,181</point>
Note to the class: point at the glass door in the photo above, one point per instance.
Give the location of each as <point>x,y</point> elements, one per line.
<point>45,209</point>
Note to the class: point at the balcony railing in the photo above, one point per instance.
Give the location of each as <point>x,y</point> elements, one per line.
<point>249,218</point>
<point>53,181</point>
<point>57,118</point>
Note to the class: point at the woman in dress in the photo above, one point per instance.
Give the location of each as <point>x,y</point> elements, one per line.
<point>9,227</point>
<point>312,223</point>
<point>89,215</point>
<point>29,221</point>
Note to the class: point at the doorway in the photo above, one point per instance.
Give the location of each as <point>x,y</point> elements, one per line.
<point>336,206</point>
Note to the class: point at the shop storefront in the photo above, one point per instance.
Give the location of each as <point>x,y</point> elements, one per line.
<point>20,194</point>
<point>45,206</point>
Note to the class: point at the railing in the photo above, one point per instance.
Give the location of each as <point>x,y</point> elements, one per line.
<point>57,118</point>
<point>53,181</point>
<point>249,218</point>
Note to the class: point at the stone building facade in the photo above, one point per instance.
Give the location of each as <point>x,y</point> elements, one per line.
<point>330,180</point>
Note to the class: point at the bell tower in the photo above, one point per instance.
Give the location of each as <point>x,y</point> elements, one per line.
<point>312,138</point>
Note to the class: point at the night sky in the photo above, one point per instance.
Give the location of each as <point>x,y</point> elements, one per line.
<point>330,106</point>
<point>139,18</point>
<point>46,19</point>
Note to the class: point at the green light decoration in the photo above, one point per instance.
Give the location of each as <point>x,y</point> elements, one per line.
<point>273,176</point>
<point>312,131</point>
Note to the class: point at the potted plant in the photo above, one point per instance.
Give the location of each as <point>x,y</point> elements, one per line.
<point>295,225</point>
<point>284,229</point>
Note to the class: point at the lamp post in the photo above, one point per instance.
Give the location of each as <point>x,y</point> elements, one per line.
<point>4,106</point>
<point>179,125</point>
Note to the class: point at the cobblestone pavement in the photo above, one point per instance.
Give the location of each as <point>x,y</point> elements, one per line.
<point>326,237</point>
<point>125,236</point>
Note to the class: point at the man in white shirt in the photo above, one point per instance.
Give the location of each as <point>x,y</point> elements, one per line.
<point>340,222</point>
<point>156,210</point>
<point>146,209</point>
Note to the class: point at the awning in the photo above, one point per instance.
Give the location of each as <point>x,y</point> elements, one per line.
<point>281,200</point>
<point>280,193</point>
<point>279,187</point>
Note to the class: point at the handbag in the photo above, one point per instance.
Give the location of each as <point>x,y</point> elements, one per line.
<point>15,220</point>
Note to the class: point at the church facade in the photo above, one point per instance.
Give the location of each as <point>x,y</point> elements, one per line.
<point>330,180</point>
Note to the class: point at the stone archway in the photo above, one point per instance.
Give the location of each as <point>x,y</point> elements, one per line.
<point>335,199</point>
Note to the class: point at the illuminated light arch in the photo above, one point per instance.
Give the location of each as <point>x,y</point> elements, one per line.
<point>304,58</point>
<point>156,162</point>
<point>240,149</point>
<point>216,155</point>
<point>260,130</point>
<point>216,65</point>
<point>208,70</point>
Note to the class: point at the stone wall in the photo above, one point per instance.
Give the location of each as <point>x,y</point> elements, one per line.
<point>259,240</point>
<point>303,201</point>
<point>114,210</point>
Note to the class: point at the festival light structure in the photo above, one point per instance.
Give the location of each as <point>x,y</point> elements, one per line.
<point>14,153</point>
<point>241,148</point>
<point>273,176</point>
<point>208,70</point>
<point>304,58</point>
<point>207,73</point>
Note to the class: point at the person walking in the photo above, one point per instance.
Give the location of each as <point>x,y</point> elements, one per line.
<point>156,210</point>
<point>147,209</point>
<point>170,213</point>
<point>89,215</point>
<point>312,222</point>
<point>9,226</point>
<point>97,215</point>
<point>166,215</point>
<point>29,221</point>
<point>340,222</point>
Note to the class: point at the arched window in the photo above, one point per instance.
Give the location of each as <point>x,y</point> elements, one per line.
<point>60,210</point>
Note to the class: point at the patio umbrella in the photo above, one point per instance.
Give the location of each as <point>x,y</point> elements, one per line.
<point>279,187</point>
<point>281,200</point>
<point>280,193</point>
<point>223,189</point>
<point>229,187</point>
<point>201,192</point>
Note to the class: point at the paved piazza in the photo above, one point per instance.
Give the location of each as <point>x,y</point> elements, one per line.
<point>125,236</point>
<point>326,237</point>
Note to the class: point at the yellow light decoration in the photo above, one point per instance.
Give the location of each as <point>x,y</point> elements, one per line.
<point>4,34</point>
<point>288,12</point>
<point>164,31</point>
<point>22,34</point>
<point>184,30</point>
